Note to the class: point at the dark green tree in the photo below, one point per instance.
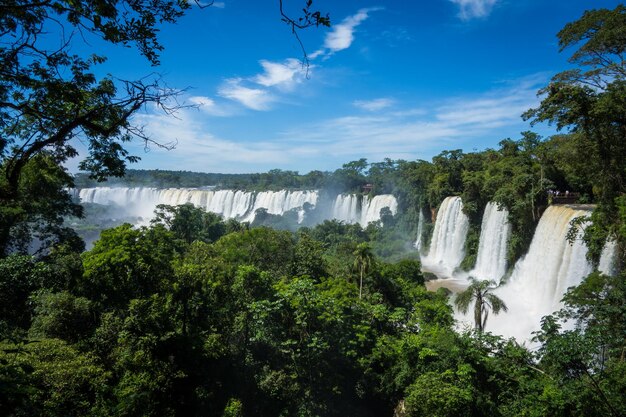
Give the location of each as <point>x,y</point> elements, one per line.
<point>363,260</point>
<point>190,223</point>
<point>480,293</point>
<point>590,99</point>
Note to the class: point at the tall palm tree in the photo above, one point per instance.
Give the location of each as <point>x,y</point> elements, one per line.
<point>362,262</point>
<point>484,300</point>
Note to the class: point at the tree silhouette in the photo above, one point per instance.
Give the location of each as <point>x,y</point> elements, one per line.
<point>362,262</point>
<point>480,292</point>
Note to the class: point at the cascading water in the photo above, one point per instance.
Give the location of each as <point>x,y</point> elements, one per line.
<point>447,245</point>
<point>540,278</point>
<point>608,258</point>
<point>138,202</point>
<point>420,232</point>
<point>348,210</point>
<point>370,209</point>
<point>141,201</point>
<point>240,205</point>
<point>280,202</point>
<point>494,236</point>
<point>230,204</point>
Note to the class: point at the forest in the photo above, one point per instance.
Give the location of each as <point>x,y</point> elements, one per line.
<point>196,315</point>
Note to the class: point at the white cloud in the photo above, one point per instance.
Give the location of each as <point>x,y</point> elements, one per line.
<point>253,98</point>
<point>282,75</point>
<point>469,9</point>
<point>460,122</point>
<point>208,106</point>
<point>259,91</point>
<point>374,105</point>
<point>342,34</point>
<point>316,54</point>
<point>495,109</point>
<point>401,131</point>
<point>198,149</point>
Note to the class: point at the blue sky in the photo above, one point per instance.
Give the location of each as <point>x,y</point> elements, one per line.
<point>390,79</point>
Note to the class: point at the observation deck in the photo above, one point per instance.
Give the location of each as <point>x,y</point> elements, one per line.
<point>559,197</point>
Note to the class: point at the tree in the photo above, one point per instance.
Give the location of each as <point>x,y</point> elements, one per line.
<point>128,263</point>
<point>591,99</point>
<point>56,379</point>
<point>309,257</point>
<point>61,316</point>
<point>34,221</point>
<point>267,249</point>
<point>20,276</point>
<point>480,293</point>
<point>190,223</point>
<point>363,259</point>
<point>351,176</point>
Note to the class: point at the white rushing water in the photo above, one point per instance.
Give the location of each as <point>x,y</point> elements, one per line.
<point>448,242</point>
<point>494,236</point>
<point>351,208</point>
<point>346,208</point>
<point>542,276</point>
<point>608,258</point>
<point>240,205</point>
<point>370,209</point>
<point>419,241</point>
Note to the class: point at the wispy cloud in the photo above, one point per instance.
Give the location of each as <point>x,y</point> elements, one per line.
<point>259,91</point>
<point>403,130</point>
<point>281,74</point>
<point>374,105</point>
<point>470,9</point>
<point>342,34</point>
<point>198,149</point>
<point>415,132</point>
<point>252,98</point>
<point>208,106</point>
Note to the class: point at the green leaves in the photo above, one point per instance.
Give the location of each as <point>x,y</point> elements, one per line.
<point>484,300</point>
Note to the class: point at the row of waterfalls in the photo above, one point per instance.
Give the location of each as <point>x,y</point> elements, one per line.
<point>237,204</point>
<point>537,281</point>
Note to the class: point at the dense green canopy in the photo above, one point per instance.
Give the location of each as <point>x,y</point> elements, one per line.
<point>195,316</point>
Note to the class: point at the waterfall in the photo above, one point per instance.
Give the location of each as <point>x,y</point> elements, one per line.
<point>350,208</point>
<point>346,208</point>
<point>608,258</point>
<point>370,209</point>
<point>542,276</point>
<point>494,236</point>
<point>420,231</point>
<point>448,241</point>
<point>280,202</point>
<point>241,205</point>
<point>136,202</point>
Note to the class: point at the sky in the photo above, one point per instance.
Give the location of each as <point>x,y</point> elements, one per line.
<point>399,79</point>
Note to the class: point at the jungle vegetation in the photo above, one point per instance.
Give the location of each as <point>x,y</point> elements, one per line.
<point>197,316</point>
